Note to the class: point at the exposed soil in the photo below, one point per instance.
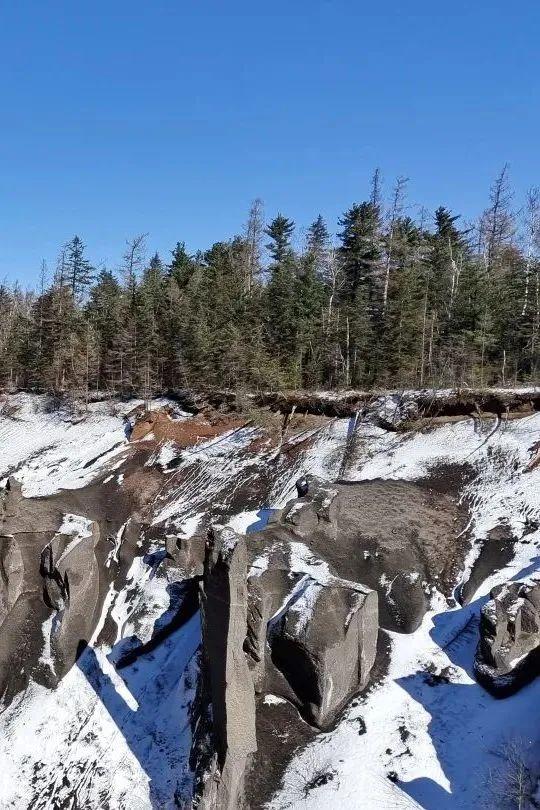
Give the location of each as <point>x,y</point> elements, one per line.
<point>399,538</point>
<point>345,404</point>
<point>184,432</point>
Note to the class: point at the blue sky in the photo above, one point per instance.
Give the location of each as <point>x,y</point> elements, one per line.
<point>170,117</point>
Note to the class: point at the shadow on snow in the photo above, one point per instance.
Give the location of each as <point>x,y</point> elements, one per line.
<point>466,721</point>
<point>148,688</point>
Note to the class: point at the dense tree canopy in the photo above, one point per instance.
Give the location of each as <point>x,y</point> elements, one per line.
<point>395,301</point>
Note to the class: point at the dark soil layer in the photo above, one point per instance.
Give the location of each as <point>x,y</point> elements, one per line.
<point>456,403</point>
<point>496,552</point>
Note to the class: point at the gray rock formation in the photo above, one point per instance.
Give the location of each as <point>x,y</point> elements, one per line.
<point>287,624</point>
<point>508,654</point>
<point>71,578</point>
<point>312,636</point>
<point>324,641</point>
<point>229,681</point>
<point>315,512</point>
<point>267,588</point>
<point>187,553</point>
<point>11,574</point>
<point>26,526</point>
<point>43,570</point>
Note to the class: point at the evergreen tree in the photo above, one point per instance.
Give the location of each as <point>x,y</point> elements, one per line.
<point>280,232</point>
<point>77,271</point>
<point>400,302</point>
<point>105,313</point>
<point>182,265</point>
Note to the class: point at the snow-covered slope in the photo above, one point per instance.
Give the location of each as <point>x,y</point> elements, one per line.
<point>119,736</point>
<point>106,737</point>
<point>50,451</point>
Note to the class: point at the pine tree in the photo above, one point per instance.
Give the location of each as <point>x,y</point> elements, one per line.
<point>318,245</point>
<point>360,253</point>
<point>360,250</point>
<point>105,313</point>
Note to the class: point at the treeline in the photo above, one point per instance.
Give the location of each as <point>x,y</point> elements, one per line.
<point>396,301</point>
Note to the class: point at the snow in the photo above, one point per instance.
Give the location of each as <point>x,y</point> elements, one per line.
<point>432,737</point>
<point>323,459</point>
<point>48,452</point>
<point>229,540</point>
<point>205,470</point>
<point>79,527</point>
<point>166,453</point>
<point>273,700</point>
<point>125,736</point>
<point>440,739</point>
<point>303,561</point>
<point>240,523</point>
<point>46,656</point>
<point>120,733</point>
<point>189,525</point>
<point>303,605</point>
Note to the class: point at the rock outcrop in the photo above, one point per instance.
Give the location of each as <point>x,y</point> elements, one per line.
<point>268,588</point>
<point>48,569</point>
<point>11,574</point>
<point>26,526</point>
<point>187,553</point>
<point>316,511</point>
<point>228,679</point>
<point>312,636</point>
<point>508,654</point>
<point>324,641</point>
<point>396,537</point>
<point>287,625</point>
<point>70,574</point>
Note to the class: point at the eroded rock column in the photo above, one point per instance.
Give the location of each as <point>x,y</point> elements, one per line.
<point>229,681</point>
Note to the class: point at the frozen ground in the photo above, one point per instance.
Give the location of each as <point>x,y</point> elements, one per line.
<point>119,737</point>
<point>111,737</point>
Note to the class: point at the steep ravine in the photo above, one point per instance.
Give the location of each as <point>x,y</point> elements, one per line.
<point>116,686</point>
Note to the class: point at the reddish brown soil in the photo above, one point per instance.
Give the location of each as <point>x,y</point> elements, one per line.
<point>184,433</point>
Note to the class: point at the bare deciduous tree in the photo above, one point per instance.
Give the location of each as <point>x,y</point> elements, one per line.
<point>254,230</point>
<point>395,213</point>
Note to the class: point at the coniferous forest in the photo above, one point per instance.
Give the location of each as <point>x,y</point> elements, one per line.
<point>399,297</point>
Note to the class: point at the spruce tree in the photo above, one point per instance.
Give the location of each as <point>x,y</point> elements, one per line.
<point>280,232</point>
<point>77,270</point>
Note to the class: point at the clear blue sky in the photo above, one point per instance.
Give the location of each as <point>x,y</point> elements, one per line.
<point>170,117</point>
